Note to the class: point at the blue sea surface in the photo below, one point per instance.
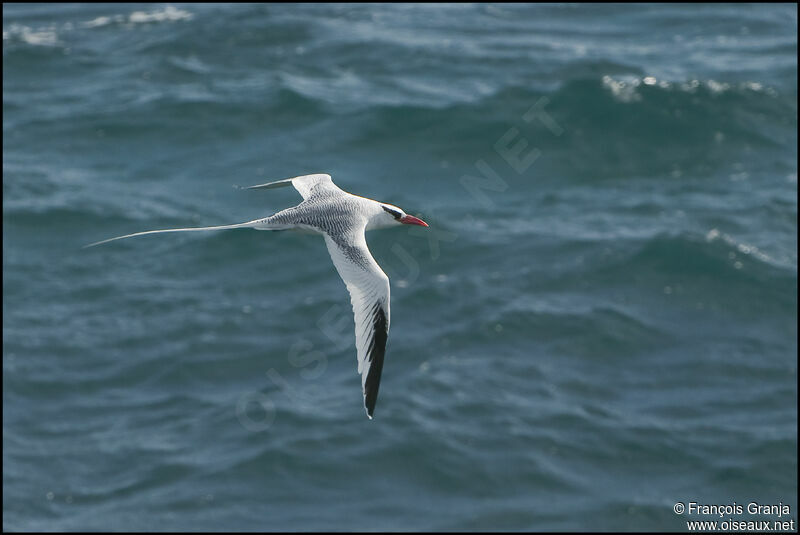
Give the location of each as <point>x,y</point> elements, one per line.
<point>599,323</point>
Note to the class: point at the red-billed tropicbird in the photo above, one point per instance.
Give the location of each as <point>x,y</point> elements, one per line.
<point>341,218</point>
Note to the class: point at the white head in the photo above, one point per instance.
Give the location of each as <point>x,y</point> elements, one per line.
<point>390,215</point>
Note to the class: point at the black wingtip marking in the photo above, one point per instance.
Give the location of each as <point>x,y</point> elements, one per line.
<point>376,353</point>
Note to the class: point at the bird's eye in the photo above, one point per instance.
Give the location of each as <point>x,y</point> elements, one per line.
<point>394,213</point>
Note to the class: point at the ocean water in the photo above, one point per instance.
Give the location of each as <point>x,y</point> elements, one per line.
<point>599,323</point>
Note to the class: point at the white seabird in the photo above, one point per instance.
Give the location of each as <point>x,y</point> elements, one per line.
<point>342,219</point>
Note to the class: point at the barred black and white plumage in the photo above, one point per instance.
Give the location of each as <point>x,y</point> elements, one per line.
<point>342,219</point>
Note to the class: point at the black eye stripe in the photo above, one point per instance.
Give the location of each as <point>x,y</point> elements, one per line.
<point>395,213</point>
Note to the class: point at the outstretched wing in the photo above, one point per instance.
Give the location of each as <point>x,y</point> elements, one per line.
<point>369,293</point>
<point>307,185</point>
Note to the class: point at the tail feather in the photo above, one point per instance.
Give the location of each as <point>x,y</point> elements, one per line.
<point>250,224</point>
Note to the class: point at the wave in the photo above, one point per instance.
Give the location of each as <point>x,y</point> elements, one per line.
<point>57,35</point>
<point>43,36</point>
<point>167,14</point>
<point>593,129</point>
<point>716,254</point>
<point>712,271</point>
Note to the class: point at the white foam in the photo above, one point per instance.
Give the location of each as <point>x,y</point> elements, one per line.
<point>169,13</point>
<point>742,247</point>
<point>717,87</point>
<point>39,37</point>
<point>103,21</point>
<point>624,91</point>
<point>626,88</point>
<point>48,36</point>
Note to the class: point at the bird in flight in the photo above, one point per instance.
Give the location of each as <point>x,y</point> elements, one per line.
<point>342,219</point>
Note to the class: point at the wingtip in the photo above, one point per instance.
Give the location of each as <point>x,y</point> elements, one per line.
<point>270,185</point>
